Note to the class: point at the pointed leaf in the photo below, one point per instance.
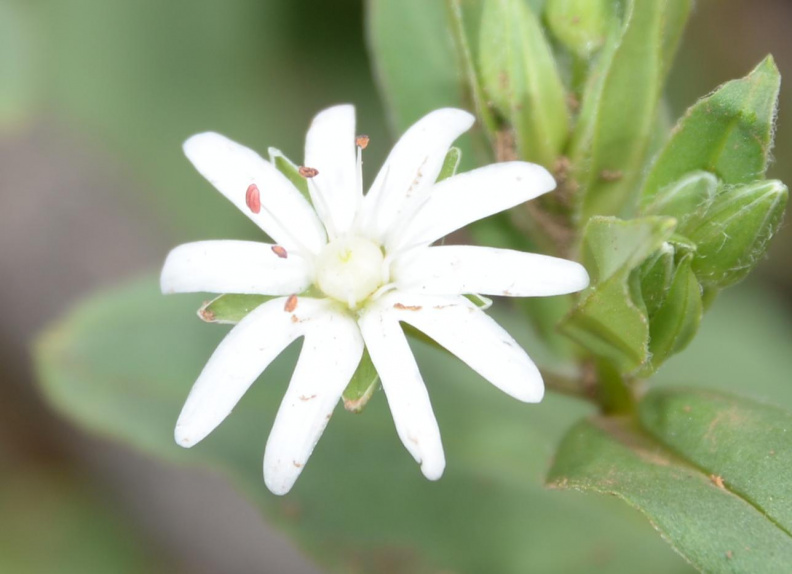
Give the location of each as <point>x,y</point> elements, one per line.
<point>362,385</point>
<point>729,133</point>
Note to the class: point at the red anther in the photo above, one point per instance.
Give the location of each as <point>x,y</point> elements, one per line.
<point>253,198</point>
<point>362,141</point>
<point>279,251</point>
<point>308,172</point>
<point>291,304</point>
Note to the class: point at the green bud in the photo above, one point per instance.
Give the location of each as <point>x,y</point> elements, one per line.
<point>687,198</point>
<point>581,25</point>
<point>655,275</point>
<point>675,322</point>
<point>521,79</point>
<point>734,234</point>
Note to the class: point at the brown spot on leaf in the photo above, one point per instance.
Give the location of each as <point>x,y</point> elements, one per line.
<point>206,314</point>
<point>729,555</point>
<point>362,141</point>
<point>280,251</point>
<point>308,172</point>
<point>291,304</point>
<point>717,480</point>
<point>253,198</point>
<point>611,175</point>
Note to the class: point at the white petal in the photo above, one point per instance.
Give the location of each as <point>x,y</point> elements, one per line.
<point>238,361</point>
<point>405,390</point>
<point>330,354</point>
<point>233,267</point>
<point>459,269</point>
<point>285,214</point>
<point>468,197</point>
<point>411,168</point>
<point>330,148</point>
<point>467,332</point>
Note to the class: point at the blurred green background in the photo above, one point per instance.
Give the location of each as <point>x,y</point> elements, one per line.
<point>96,97</point>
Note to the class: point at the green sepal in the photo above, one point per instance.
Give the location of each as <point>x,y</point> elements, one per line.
<point>230,308</point>
<point>675,322</point>
<point>450,164</point>
<point>362,385</point>
<point>520,77</point>
<point>735,233</point>
<point>580,25</point>
<point>290,170</point>
<point>685,199</point>
<point>610,320</point>
<point>729,133</point>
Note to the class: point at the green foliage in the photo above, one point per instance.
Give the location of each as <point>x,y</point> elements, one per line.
<point>521,79</point>
<point>581,25</point>
<point>728,133</point>
<point>361,500</point>
<point>626,109</point>
<point>291,170</point>
<point>610,320</point>
<point>703,467</point>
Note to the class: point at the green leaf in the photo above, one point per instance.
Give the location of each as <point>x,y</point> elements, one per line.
<point>361,500</point>
<point>610,319</point>
<point>627,108</point>
<point>656,275</point>
<point>714,528</point>
<point>729,133</point>
<point>230,308</point>
<point>520,77</point>
<point>675,322</point>
<point>748,445</point>
<point>736,231</point>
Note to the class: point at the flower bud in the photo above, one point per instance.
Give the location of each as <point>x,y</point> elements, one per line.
<point>688,198</point>
<point>734,234</point>
<point>581,25</point>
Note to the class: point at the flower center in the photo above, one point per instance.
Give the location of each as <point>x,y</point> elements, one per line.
<point>350,269</point>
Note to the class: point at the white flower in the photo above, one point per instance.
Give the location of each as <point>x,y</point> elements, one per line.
<point>370,260</point>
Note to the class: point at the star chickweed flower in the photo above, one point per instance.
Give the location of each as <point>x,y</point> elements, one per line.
<point>347,269</point>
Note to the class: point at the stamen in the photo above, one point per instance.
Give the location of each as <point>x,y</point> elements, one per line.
<point>279,251</point>
<point>291,304</point>
<point>253,198</point>
<point>362,141</point>
<point>308,172</point>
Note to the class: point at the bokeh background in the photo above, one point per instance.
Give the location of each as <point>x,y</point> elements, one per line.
<point>96,97</point>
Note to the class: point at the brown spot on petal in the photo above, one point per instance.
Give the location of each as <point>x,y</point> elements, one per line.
<point>280,251</point>
<point>297,464</point>
<point>253,198</point>
<point>294,318</point>
<point>291,304</point>
<point>362,141</point>
<point>308,172</point>
<point>403,307</point>
<point>307,398</point>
